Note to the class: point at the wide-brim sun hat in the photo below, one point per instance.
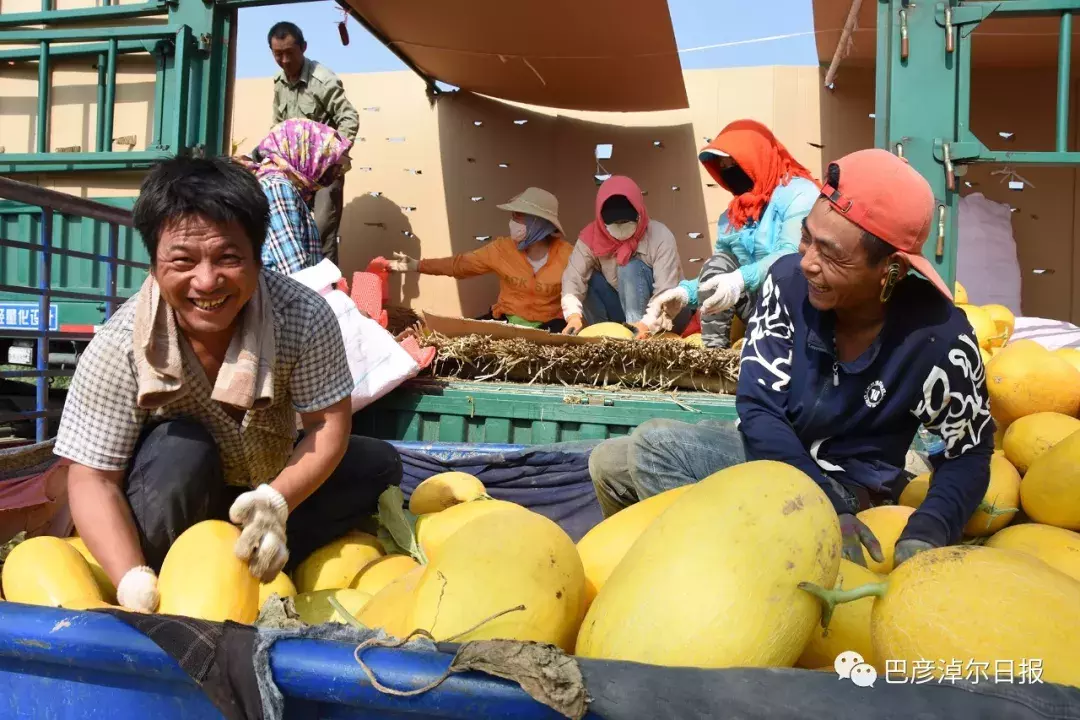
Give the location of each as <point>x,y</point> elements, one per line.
<point>538,202</point>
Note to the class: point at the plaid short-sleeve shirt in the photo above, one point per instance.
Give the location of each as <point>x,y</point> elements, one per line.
<point>102,422</point>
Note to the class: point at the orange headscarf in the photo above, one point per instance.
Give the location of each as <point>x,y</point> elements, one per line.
<point>761,156</point>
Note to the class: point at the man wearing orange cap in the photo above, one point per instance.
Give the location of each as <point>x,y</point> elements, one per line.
<point>846,355</point>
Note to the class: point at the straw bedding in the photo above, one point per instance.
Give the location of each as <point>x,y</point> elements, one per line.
<point>626,364</point>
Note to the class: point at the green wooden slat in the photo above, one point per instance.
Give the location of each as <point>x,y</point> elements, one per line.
<point>452,428</point>
<point>593,431</point>
<point>545,432</point>
<point>497,430</point>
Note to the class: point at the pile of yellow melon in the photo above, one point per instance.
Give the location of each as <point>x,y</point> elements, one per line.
<point>1035,401</point>
<point>733,571</point>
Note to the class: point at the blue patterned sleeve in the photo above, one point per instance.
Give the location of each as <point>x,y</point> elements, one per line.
<point>287,235</point>
<point>796,200</point>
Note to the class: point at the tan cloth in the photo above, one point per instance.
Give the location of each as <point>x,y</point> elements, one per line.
<point>657,249</point>
<point>245,379</point>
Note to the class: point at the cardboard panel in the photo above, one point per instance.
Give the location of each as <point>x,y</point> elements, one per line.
<point>998,42</point>
<point>557,53</point>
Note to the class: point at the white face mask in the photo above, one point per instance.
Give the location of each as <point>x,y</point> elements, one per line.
<point>623,230</point>
<point>517,231</point>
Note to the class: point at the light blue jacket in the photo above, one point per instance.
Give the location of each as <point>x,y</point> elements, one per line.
<point>759,244</point>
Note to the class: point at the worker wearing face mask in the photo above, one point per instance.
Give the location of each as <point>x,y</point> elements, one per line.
<point>529,262</point>
<point>622,260</point>
<point>772,194</point>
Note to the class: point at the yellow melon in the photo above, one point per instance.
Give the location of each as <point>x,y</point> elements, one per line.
<point>985,356</point>
<point>314,608</point>
<point>981,323</point>
<point>1069,355</point>
<point>202,577</point>
<point>389,609</point>
<point>999,436</point>
<point>336,564</point>
<point>433,530</point>
<point>494,564</point>
<point>603,547</point>
<point>380,572</point>
<point>441,491</point>
<point>608,330</point>
<point>849,628</point>
<point>694,340</point>
<point>108,591</point>
<point>666,336</point>
<point>1000,502</point>
<point>1004,323</point>
<point>281,585</point>
<point>960,296</point>
<point>886,522</point>
<point>915,491</point>
<point>1026,378</point>
<point>1050,492</point>
<point>940,604</point>
<point>697,591</point>
<point>1057,547</point>
<point>738,329</point>
<point>45,570</point>
<point>1032,435</point>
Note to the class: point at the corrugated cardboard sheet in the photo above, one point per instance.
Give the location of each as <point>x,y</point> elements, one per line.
<point>582,55</point>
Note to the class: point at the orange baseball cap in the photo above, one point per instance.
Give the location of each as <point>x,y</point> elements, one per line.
<point>885,196</point>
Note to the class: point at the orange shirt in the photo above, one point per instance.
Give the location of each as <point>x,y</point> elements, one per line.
<point>534,296</point>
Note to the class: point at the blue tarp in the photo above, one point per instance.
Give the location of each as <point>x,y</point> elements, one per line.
<point>552,480</point>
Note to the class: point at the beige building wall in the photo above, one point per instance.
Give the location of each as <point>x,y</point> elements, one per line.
<point>426,179</point>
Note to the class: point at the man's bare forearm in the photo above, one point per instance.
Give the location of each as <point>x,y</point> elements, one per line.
<point>326,437</point>
<point>104,521</point>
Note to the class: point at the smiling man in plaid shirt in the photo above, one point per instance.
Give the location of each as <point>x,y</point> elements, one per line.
<point>183,407</point>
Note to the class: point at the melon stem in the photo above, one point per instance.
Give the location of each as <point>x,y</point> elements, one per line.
<point>345,614</point>
<point>829,599</point>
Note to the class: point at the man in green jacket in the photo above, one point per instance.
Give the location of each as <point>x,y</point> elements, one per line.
<point>304,88</point>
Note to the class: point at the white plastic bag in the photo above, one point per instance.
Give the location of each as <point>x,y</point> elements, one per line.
<point>377,362</point>
<point>986,260</point>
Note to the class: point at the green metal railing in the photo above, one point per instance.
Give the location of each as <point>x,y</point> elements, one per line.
<point>923,98</point>
<point>190,48</point>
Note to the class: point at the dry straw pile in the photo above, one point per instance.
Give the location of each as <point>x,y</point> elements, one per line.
<point>629,364</point>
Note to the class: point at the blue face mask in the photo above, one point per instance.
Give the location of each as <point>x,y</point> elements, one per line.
<point>536,229</point>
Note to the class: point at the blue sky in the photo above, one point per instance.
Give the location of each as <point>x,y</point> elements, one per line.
<point>698,24</point>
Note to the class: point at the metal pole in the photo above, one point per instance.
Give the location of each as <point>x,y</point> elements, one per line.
<point>1064,68</point>
<point>44,284</point>
<point>111,269</point>
<point>180,88</point>
<point>110,95</point>
<point>101,83</point>
<point>43,97</point>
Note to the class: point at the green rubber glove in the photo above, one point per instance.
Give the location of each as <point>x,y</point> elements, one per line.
<point>855,535</point>
<point>906,548</point>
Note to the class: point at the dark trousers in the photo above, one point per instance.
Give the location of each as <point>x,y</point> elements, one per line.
<point>176,480</point>
<point>716,329</point>
<point>327,211</point>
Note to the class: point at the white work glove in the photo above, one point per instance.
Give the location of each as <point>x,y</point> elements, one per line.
<point>664,307</point>
<point>403,263</point>
<point>138,591</point>
<point>727,289</point>
<point>261,513</point>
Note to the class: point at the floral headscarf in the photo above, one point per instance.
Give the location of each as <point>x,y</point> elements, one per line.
<point>303,151</point>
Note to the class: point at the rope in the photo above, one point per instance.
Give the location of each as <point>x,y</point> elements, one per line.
<point>391,643</point>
